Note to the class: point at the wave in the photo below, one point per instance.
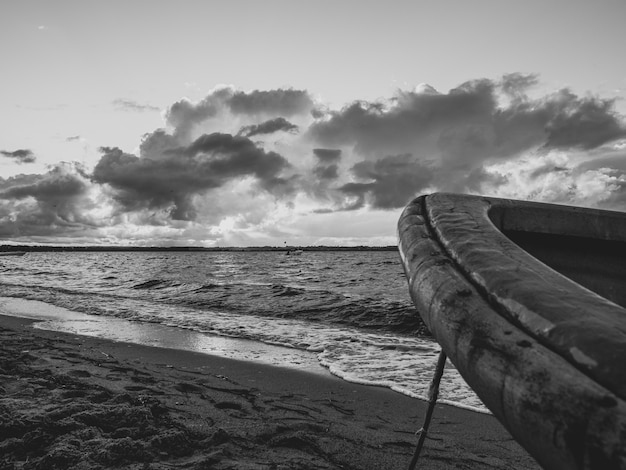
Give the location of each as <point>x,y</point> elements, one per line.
<point>149,284</point>
<point>279,290</point>
<point>352,311</point>
<point>259,300</point>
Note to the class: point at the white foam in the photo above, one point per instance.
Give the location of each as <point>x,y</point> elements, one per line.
<point>404,364</point>
<point>54,318</point>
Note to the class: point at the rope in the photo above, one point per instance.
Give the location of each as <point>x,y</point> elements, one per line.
<point>433,392</point>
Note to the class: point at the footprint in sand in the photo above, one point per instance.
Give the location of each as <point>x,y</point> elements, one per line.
<point>79,373</point>
<point>228,405</point>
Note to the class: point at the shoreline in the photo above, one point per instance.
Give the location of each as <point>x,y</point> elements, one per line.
<point>50,317</point>
<point>83,402</point>
<point>54,318</point>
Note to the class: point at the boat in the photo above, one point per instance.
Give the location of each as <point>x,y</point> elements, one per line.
<point>528,302</point>
<point>293,251</point>
<point>12,253</point>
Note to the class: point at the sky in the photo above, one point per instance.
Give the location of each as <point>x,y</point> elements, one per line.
<point>249,123</point>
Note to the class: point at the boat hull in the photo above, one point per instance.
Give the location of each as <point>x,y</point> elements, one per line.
<point>545,354</point>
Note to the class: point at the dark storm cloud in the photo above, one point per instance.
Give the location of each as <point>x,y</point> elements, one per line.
<point>56,185</point>
<point>227,156</point>
<point>326,169</point>
<point>184,115</point>
<point>282,102</point>
<point>585,123</point>
<point>412,120</point>
<point>327,155</point>
<point>130,105</point>
<point>20,156</point>
<point>387,183</point>
<point>327,173</point>
<point>52,203</point>
<point>157,144</point>
<point>268,127</point>
<point>169,179</point>
<point>391,181</point>
<point>559,121</point>
<point>460,132</point>
<point>141,182</point>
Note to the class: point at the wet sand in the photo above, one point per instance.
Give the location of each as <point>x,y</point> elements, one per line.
<point>79,402</point>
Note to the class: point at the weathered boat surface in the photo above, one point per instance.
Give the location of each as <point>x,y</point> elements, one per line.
<point>527,300</point>
<point>12,253</point>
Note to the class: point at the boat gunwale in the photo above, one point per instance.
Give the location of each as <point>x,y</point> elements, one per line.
<point>546,304</point>
<point>525,384</point>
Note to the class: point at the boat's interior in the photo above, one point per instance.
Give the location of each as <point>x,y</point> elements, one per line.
<point>585,245</point>
<point>598,265</point>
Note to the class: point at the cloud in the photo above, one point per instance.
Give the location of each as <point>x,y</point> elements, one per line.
<point>57,202</point>
<point>281,102</point>
<point>559,177</point>
<point>327,155</point>
<point>616,198</point>
<point>585,123</point>
<point>268,127</point>
<point>169,178</point>
<point>56,185</point>
<point>459,134</point>
<point>324,174</point>
<point>390,182</point>
<point>226,156</point>
<point>184,115</point>
<point>611,156</point>
<point>410,122</point>
<point>202,177</point>
<point>158,144</point>
<point>547,169</point>
<point>515,85</point>
<point>130,105</point>
<point>328,172</point>
<point>20,156</point>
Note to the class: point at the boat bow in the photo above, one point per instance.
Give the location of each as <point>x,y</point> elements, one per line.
<point>544,353</point>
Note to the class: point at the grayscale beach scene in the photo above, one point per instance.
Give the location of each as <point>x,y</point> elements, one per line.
<point>297,235</point>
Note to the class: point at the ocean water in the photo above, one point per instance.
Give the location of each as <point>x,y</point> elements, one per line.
<point>348,312</point>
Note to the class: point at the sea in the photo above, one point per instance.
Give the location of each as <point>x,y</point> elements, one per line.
<point>344,312</point>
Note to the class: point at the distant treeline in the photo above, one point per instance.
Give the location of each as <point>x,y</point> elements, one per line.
<point>45,248</point>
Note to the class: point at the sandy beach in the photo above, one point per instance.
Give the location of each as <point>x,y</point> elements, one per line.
<point>78,402</point>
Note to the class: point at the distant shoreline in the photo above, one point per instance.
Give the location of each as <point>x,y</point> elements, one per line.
<point>51,248</point>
